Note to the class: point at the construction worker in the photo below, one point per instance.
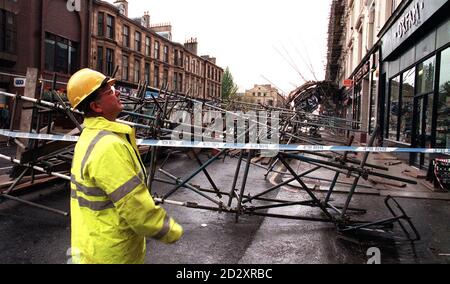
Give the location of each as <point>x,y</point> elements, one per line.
<point>112,210</point>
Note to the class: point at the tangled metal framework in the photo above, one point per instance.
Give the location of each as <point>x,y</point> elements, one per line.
<point>156,118</point>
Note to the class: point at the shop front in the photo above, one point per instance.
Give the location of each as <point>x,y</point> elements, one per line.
<point>364,106</point>
<point>415,60</point>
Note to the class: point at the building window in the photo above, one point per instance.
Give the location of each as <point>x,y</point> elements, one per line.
<point>110,27</point>
<point>156,77</point>
<point>137,70</point>
<point>186,84</point>
<point>61,55</point>
<point>425,76</point>
<point>157,50</point>
<point>194,86</point>
<point>100,64</point>
<point>126,36</point>
<point>101,24</point>
<point>125,68</point>
<point>443,110</point>
<point>406,110</point>
<point>180,82</point>
<point>181,58</point>
<point>394,108</point>
<point>8,32</point>
<point>165,78</point>
<point>175,58</point>
<point>147,72</point>
<point>109,62</point>
<point>147,46</point>
<point>175,81</point>
<point>166,54</point>
<point>373,102</point>
<point>137,41</point>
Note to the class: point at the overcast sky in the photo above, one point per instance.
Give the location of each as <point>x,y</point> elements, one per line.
<point>261,41</point>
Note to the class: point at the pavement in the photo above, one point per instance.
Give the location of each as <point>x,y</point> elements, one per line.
<point>421,190</point>
<point>31,235</point>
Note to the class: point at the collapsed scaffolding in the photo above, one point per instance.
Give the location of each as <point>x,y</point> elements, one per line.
<point>158,120</point>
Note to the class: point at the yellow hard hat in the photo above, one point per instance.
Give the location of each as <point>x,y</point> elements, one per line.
<point>84,83</point>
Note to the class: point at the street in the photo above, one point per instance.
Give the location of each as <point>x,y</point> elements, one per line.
<point>30,235</point>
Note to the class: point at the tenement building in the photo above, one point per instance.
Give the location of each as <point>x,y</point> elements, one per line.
<point>44,35</point>
<point>392,59</point>
<point>353,56</point>
<point>265,95</point>
<point>58,39</point>
<point>145,53</point>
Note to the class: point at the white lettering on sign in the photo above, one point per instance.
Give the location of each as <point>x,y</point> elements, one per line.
<point>410,19</point>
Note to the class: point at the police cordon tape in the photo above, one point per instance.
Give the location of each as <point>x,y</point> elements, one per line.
<point>239,146</point>
<point>67,178</point>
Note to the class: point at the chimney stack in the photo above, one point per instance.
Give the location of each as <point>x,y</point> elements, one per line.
<point>163,29</point>
<point>122,5</point>
<point>146,19</point>
<point>191,45</point>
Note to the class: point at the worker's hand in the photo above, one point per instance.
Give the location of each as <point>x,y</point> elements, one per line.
<point>178,232</point>
<point>175,233</point>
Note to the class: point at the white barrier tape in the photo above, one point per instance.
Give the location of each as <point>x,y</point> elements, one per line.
<point>219,145</point>
<point>35,136</point>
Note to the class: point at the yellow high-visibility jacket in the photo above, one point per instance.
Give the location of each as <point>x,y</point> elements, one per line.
<point>112,211</point>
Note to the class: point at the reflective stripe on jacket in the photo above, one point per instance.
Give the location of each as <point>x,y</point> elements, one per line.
<point>112,210</point>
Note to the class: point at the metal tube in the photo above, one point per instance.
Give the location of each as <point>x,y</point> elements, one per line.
<point>34,204</point>
<point>16,181</point>
<point>323,220</point>
<point>191,187</point>
<point>355,183</point>
<point>236,175</point>
<point>336,177</point>
<point>348,168</point>
<point>34,167</point>
<point>293,203</point>
<point>195,173</point>
<point>303,185</point>
<point>281,184</point>
<point>207,174</point>
<point>45,103</point>
<point>244,183</point>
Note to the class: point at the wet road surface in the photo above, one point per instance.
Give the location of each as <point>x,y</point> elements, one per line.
<point>30,235</point>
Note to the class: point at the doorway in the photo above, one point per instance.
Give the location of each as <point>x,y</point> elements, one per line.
<point>423,138</point>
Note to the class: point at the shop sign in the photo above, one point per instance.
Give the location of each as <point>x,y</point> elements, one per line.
<point>410,19</point>
<point>414,16</point>
<point>348,83</point>
<point>19,82</point>
<point>363,71</point>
